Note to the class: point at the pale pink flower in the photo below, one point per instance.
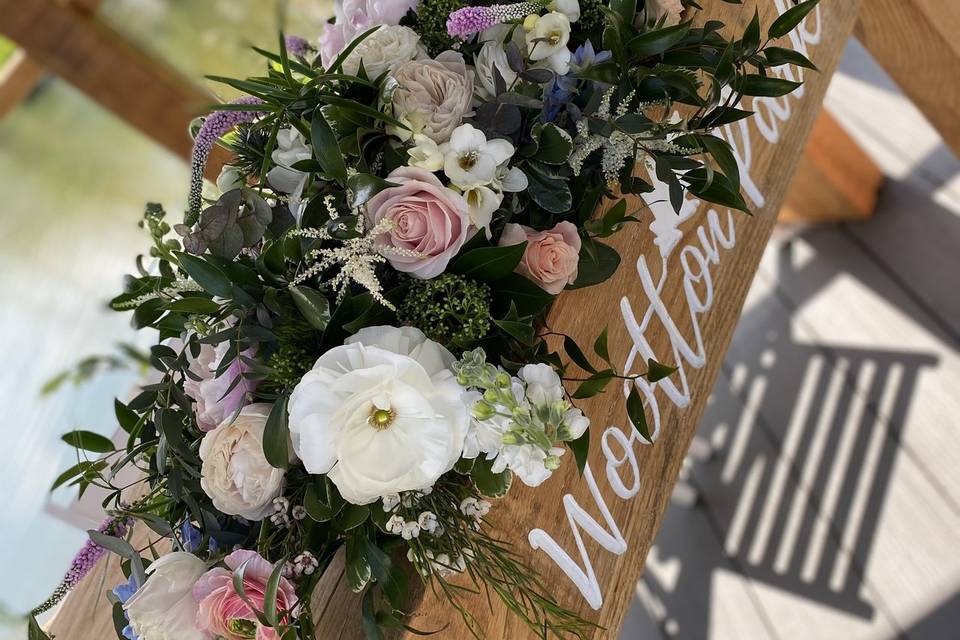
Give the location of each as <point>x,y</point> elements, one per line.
<point>224,614</point>
<point>429,222</point>
<point>213,402</point>
<point>550,258</point>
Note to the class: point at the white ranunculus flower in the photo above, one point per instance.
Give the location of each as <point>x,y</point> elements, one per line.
<point>164,608</point>
<point>543,383</point>
<point>482,201</point>
<point>492,56</point>
<point>550,34</point>
<point>291,148</point>
<point>470,160</point>
<point>425,153</point>
<point>380,414</point>
<point>235,472</point>
<point>569,8</point>
<point>386,49</point>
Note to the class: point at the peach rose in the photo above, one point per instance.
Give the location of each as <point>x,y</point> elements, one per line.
<point>430,222</point>
<point>224,614</point>
<point>551,257</point>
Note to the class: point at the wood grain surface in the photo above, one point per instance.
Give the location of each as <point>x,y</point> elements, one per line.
<point>915,41</point>
<point>769,164</point>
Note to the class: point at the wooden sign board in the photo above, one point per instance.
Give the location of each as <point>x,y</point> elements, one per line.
<point>677,297</point>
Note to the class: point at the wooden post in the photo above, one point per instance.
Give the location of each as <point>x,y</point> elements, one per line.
<point>835,180</point>
<point>18,76</point>
<point>66,40</point>
<point>703,306</point>
<point>916,42</point>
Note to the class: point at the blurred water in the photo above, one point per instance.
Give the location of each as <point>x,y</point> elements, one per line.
<point>74,180</point>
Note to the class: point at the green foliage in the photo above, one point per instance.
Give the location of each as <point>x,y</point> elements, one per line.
<point>451,309</point>
<point>431,24</point>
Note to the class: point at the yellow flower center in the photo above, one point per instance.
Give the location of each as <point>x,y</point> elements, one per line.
<point>381,419</point>
<point>468,160</point>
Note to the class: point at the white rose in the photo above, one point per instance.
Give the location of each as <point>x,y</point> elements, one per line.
<point>550,34</point>
<point>433,96</point>
<point>385,49</point>
<point>164,608</point>
<point>379,415</point>
<point>235,472</point>
<point>492,56</point>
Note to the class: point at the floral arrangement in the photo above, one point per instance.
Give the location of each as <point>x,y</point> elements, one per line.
<point>353,351</point>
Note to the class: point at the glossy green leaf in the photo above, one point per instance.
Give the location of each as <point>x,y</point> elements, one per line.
<point>636,413</point>
<point>657,371</point>
<point>490,484</point>
<point>276,436</point>
<point>89,441</point>
<point>313,305</point>
<point>594,384</point>
<point>790,18</point>
<point>489,264</point>
<point>326,149</point>
<point>208,276</point>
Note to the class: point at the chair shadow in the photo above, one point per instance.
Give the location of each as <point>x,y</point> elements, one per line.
<point>804,439</point>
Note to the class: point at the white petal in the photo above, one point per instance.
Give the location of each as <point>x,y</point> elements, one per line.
<point>500,150</point>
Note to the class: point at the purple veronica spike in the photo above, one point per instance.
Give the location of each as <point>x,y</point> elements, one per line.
<point>467,21</point>
<point>216,124</point>
<point>297,46</point>
<point>85,560</point>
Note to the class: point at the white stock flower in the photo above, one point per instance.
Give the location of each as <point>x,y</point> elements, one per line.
<point>235,472</point>
<point>483,436</point>
<point>470,160</point>
<point>380,414</point>
<point>164,608</point>
<point>425,153</point>
<point>543,383</point>
<point>528,462</point>
<point>549,35</point>
<point>386,49</point>
<point>492,56</point>
<point>575,424</point>
<point>569,8</point>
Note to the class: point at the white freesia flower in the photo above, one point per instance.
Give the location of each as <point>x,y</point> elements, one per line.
<point>510,180</point>
<point>386,49</point>
<point>164,608</point>
<point>558,62</point>
<point>470,160</point>
<point>550,33</point>
<point>291,148</point>
<point>379,415</point>
<point>569,8</point>
<point>492,56</point>
<point>482,201</point>
<point>425,153</point>
<point>235,472</point>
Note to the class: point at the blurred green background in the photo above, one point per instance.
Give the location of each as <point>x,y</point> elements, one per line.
<point>74,180</point>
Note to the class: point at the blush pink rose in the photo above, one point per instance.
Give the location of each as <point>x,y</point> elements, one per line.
<point>224,614</point>
<point>550,258</point>
<point>429,222</point>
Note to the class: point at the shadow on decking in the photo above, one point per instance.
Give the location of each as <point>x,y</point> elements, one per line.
<point>803,440</point>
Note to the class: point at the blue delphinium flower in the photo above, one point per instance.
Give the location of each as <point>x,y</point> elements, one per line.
<point>192,538</point>
<point>124,592</point>
<point>561,89</point>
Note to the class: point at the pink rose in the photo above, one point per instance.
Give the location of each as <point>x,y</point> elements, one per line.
<point>212,406</point>
<point>224,614</point>
<point>550,258</point>
<point>429,222</point>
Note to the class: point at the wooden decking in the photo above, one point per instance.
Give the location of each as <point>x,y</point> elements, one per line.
<point>830,506</point>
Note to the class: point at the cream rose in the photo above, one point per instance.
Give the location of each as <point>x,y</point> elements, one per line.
<point>235,472</point>
<point>550,258</point>
<point>429,222</point>
<point>379,415</point>
<point>671,9</point>
<point>433,96</point>
<point>385,49</point>
<point>164,608</point>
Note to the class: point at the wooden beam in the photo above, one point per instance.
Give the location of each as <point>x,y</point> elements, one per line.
<point>835,181</point>
<point>67,41</point>
<point>916,42</point>
<point>18,76</point>
<point>771,145</point>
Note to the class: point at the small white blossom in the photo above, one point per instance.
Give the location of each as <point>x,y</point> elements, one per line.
<point>390,501</point>
<point>428,521</point>
<point>410,530</point>
<point>395,524</point>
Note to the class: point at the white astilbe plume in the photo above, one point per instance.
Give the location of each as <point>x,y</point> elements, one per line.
<point>357,258</point>
<point>619,147</point>
<point>179,286</point>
